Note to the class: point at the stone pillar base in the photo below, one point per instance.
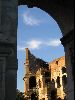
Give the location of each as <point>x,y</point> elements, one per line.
<point>8,71</point>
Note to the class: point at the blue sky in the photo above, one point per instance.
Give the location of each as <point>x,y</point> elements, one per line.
<point>40,33</point>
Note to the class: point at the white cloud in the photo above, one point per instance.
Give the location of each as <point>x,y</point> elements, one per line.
<point>21,48</point>
<point>54,42</point>
<point>30,20</point>
<point>34,44</point>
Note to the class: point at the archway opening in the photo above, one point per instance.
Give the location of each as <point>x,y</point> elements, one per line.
<point>32,82</point>
<point>34,96</point>
<point>64,70</point>
<point>58,82</point>
<point>44,41</point>
<point>54,94</point>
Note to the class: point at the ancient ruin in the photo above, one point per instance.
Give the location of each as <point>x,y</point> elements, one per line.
<point>44,81</point>
<point>37,78</point>
<point>63,13</point>
<point>58,77</point>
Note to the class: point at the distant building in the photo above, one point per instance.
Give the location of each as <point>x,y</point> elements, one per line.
<point>44,81</point>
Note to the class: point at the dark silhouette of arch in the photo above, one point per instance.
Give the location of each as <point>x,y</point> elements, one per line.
<point>58,81</point>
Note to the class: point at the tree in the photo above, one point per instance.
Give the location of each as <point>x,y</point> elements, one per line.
<point>19,95</point>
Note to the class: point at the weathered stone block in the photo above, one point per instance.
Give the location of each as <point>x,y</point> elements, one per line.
<point>9,19</point>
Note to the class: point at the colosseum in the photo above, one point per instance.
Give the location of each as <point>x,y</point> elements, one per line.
<point>44,81</point>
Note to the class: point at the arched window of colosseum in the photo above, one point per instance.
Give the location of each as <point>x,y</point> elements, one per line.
<point>63,70</point>
<point>53,94</point>
<point>34,96</point>
<point>47,81</point>
<point>64,79</point>
<point>58,81</point>
<point>32,82</point>
<point>47,74</point>
<point>57,62</point>
<point>53,81</point>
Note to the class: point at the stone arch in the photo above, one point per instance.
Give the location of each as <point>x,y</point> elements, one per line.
<point>62,11</point>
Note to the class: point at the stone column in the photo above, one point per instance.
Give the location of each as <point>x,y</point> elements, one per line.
<point>8,71</point>
<point>68,43</point>
<point>8,48</point>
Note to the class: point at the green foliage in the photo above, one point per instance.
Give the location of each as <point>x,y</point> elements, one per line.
<point>19,95</point>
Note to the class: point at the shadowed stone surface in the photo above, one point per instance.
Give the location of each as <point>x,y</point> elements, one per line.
<point>8,49</point>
